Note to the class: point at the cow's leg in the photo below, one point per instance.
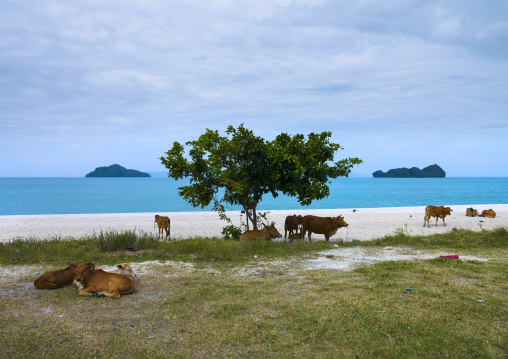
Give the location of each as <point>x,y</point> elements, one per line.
<point>436,220</point>
<point>444,224</point>
<point>111,294</point>
<point>424,220</point>
<point>87,292</point>
<point>78,284</point>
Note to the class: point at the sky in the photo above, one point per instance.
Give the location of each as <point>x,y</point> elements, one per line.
<point>399,83</point>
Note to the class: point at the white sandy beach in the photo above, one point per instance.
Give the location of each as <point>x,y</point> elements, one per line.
<point>364,223</point>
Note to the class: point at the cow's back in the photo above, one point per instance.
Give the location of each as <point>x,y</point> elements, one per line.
<point>317,224</point>
<point>489,213</point>
<point>265,234</point>
<point>254,234</point>
<point>432,211</point>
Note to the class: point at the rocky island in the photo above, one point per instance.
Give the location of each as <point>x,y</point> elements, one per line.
<point>116,171</point>
<point>433,171</point>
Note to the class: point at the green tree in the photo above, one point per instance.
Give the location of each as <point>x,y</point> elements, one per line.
<point>246,167</point>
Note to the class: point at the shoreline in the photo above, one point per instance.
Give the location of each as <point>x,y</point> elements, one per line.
<point>364,223</point>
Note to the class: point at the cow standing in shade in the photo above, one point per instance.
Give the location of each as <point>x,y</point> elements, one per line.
<point>322,225</point>
<point>290,225</point>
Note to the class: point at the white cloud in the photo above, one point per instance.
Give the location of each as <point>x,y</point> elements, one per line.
<point>164,71</point>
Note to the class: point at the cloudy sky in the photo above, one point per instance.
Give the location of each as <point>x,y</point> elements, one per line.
<point>399,83</point>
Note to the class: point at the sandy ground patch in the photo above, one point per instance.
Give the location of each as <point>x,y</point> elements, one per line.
<point>364,223</point>
<point>334,259</point>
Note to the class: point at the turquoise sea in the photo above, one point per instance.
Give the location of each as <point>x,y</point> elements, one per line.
<point>138,195</point>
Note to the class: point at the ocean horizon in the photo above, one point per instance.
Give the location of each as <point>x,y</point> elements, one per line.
<point>81,195</point>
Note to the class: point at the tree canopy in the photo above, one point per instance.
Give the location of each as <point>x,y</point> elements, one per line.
<point>246,167</point>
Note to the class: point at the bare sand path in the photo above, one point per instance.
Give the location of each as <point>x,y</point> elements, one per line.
<point>364,223</point>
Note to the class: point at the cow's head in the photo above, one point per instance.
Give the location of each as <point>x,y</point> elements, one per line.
<point>126,270</point>
<point>82,268</point>
<point>340,221</point>
<point>272,231</point>
<point>448,211</point>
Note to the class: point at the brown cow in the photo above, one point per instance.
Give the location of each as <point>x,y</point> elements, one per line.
<point>59,278</point>
<point>163,223</point>
<point>290,225</point>
<point>296,235</point>
<point>322,225</point>
<point>488,213</point>
<point>123,269</point>
<point>265,234</point>
<point>471,212</point>
<point>436,211</point>
<point>98,283</point>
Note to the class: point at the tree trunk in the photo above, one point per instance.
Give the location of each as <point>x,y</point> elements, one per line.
<point>254,218</point>
<point>251,217</point>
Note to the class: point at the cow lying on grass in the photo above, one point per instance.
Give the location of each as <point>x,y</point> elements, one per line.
<point>98,283</point>
<point>123,269</point>
<point>60,278</point>
<point>322,225</point>
<point>438,212</point>
<point>266,234</point>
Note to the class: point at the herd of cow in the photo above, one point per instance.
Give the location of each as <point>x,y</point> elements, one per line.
<point>90,280</point>
<point>98,283</point>
<point>298,226</point>
<point>442,212</point>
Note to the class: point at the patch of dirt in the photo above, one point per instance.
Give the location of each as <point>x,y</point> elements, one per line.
<point>337,258</point>
<point>350,258</point>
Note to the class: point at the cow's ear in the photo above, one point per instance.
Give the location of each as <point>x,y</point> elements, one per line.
<point>73,266</point>
<point>119,266</point>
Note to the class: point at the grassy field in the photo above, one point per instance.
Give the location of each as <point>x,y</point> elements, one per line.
<point>207,298</point>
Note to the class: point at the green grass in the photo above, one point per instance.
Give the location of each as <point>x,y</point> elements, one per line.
<point>111,247</point>
<point>229,305</point>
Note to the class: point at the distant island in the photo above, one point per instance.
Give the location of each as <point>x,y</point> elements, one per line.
<point>433,171</point>
<point>116,171</point>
